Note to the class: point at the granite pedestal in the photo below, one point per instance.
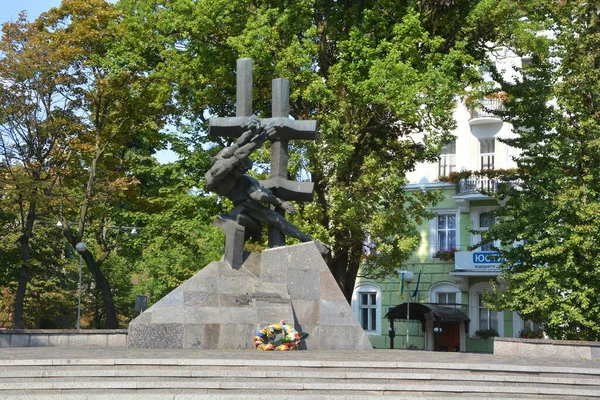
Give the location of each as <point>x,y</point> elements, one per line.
<point>221,307</point>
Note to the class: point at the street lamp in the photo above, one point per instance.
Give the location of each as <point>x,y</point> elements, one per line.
<point>80,247</point>
<point>408,278</point>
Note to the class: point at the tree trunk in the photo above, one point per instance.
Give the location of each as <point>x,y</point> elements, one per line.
<point>102,284</point>
<point>345,265</point>
<point>20,296</point>
<point>24,273</point>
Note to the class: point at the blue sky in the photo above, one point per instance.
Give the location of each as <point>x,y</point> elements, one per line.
<point>9,11</point>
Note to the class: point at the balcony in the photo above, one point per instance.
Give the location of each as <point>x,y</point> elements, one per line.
<point>485,111</point>
<point>478,187</point>
<point>482,185</point>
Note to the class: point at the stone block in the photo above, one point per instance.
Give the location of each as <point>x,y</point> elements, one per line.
<point>236,336</point>
<point>313,341</point>
<point>173,299</point>
<point>59,340</point>
<point>304,284</point>
<point>206,280</point>
<point>253,264</point>
<point>4,340</point>
<point>144,318</point>
<point>198,336</point>
<point>97,340</point>
<point>38,340</point>
<point>343,338</point>
<point>78,340</point>
<point>168,315</point>
<point>237,315</point>
<point>306,256</point>
<point>203,315</point>
<point>335,312</point>
<point>116,340</point>
<point>306,312</point>
<point>200,299</point>
<point>329,289</point>
<point>241,284</point>
<point>273,267</point>
<point>19,340</point>
<point>156,336</point>
<point>269,315</point>
<point>229,300</point>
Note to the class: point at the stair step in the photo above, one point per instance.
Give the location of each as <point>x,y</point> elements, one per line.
<point>294,376</point>
<point>241,374</point>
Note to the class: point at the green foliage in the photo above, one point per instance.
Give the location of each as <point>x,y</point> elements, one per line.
<point>372,73</point>
<point>531,334</point>
<point>553,272</point>
<point>177,237</point>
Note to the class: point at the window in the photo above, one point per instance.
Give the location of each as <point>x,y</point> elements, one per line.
<point>446,298</point>
<point>447,159</point>
<point>366,304</point>
<point>487,148</point>
<point>520,325</point>
<point>481,316</point>
<point>445,293</point>
<point>446,232</point>
<point>486,220</point>
<point>368,310</point>
<point>488,318</point>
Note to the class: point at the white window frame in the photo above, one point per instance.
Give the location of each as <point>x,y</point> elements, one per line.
<point>474,293</point>
<point>446,159</point>
<point>433,229</point>
<point>367,287</point>
<point>444,287</point>
<point>491,154</point>
<point>475,219</point>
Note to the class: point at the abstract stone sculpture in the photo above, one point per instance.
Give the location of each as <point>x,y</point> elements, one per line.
<point>227,176</point>
<point>227,301</point>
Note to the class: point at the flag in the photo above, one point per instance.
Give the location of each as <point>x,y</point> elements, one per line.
<point>401,288</point>
<point>417,288</point>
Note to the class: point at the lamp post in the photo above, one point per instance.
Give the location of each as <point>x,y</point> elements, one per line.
<point>80,247</point>
<point>408,278</point>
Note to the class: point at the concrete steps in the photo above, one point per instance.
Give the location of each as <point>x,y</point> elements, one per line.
<point>263,377</point>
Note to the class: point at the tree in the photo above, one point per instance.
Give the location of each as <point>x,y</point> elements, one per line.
<point>35,130</point>
<point>373,73</point>
<point>552,273</point>
<point>84,108</point>
<point>120,111</point>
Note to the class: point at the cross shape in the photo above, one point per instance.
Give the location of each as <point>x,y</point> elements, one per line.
<point>285,128</point>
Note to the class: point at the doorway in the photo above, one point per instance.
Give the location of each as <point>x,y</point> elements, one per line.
<point>449,337</point>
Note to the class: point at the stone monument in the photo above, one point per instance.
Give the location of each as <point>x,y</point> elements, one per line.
<point>226,302</point>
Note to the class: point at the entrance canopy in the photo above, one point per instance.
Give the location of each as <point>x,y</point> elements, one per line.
<point>423,311</point>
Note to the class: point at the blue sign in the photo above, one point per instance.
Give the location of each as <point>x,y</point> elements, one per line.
<point>490,257</point>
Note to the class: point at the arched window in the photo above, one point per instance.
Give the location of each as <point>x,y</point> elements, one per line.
<point>366,304</point>
<point>445,293</point>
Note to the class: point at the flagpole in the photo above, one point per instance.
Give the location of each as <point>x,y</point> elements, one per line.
<point>407,315</point>
<point>408,278</point>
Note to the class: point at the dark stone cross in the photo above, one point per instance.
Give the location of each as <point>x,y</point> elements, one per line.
<point>286,130</point>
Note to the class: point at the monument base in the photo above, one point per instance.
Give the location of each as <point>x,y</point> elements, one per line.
<point>222,308</point>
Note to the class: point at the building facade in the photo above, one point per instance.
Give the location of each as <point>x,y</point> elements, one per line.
<point>450,274</point>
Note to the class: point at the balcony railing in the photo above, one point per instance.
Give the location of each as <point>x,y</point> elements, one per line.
<point>483,184</point>
<point>485,110</point>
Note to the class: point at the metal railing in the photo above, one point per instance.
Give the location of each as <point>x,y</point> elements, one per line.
<point>483,184</point>
<point>486,108</point>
